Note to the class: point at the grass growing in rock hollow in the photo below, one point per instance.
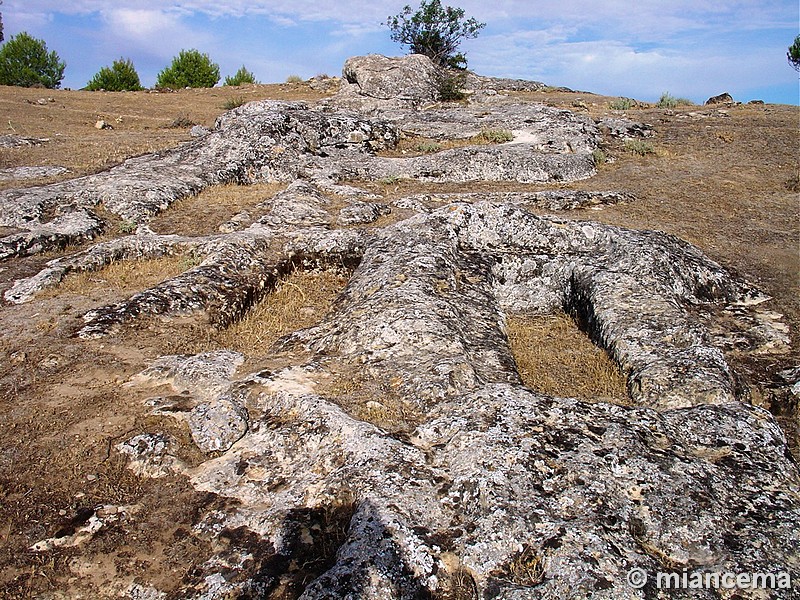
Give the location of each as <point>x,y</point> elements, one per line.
<point>301,300</point>
<point>125,276</point>
<point>557,359</point>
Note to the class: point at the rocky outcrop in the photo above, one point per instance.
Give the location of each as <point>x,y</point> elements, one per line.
<point>275,141</point>
<point>486,485</point>
<point>724,98</point>
<point>411,78</point>
<point>436,473</point>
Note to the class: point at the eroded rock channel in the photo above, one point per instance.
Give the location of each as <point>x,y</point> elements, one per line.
<point>483,488</point>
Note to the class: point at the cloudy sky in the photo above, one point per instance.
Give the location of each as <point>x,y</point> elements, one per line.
<point>636,48</point>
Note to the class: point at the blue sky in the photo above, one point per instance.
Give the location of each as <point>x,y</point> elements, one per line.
<point>637,48</point>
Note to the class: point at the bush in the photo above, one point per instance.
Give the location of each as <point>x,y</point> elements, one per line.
<point>294,79</point>
<point>25,61</point>
<point>621,104</point>
<point>120,77</point>
<point>450,84</point>
<point>189,69</point>
<point>232,103</point>
<point>667,100</point>
<point>434,31</point>
<point>242,76</point>
<point>639,147</point>
<point>495,136</point>
<point>599,157</point>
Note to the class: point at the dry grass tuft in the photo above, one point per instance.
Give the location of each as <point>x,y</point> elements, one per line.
<point>555,358</point>
<point>301,300</point>
<point>124,276</point>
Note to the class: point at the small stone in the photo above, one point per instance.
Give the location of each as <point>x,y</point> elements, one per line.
<point>101,124</point>
<point>107,510</point>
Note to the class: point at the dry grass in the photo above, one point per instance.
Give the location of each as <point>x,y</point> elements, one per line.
<point>122,277</point>
<point>555,358</point>
<point>142,122</point>
<point>204,213</point>
<point>301,300</point>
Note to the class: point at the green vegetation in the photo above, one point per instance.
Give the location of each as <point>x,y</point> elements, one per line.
<point>242,76</point>
<point>667,100</point>
<point>599,157</point>
<point>232,103</point>
<point>120,77</point>
<point>428,147</point>
<point>639,147</point>
<point>495,136</point>
<point>793,55</point>
<point>25,62</point>
<point>294,79</point>
<point>434,31</point>
<point>450,85</point>
<point>622,104</point>
<point>126,227</point>
<point>189,69</point>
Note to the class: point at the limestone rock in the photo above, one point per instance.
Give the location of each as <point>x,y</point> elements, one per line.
<point>411,79</point>
<point>274,141</point>
<point>30,172</point>
<point>724,98</point>
<point>17,141</point>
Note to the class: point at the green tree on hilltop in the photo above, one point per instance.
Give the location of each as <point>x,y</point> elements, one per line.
<point>793,55</point>
<point>434,31</point>
<point>25,61</point>
<point>189,69</point>
<point>120,77</point>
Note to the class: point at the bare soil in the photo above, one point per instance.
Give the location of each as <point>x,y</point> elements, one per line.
<point>719,177</point>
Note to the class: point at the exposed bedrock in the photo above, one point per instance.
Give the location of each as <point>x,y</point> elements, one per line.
<point>490,490</point>
<point>283,141</point>
<point>501,490</point>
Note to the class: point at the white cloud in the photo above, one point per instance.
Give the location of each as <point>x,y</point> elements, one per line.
<point>155,33</point>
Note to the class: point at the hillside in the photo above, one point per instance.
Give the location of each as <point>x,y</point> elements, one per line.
<point>218,388</point>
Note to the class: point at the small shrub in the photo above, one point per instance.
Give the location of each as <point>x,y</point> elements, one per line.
<point>189,69</point>
<point>181,122</point>
<point>428,147</point>
<point>25,62</point>
<point>242,76</point>
<point>495,136</point>
<point>127,227</point>
<point>232,103</point>
<point>435,31</point>
<point>389,180</point>
<point>793,183</point>
<point>667,100</point>
<point>120,77</point>
<point>639,147</point>
<point>599,157</point>
<point>621,104</point>
<point>294,79</point>
<point>450,85</point>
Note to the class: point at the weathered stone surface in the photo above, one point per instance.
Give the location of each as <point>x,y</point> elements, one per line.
<point>411,79</point>
<point>480,488</point>
<point>69,228</point>
<point>548,199</point>
<point>272,141</point>
<point>16,141</point>
<point>724,98</point>
<point>30,172</point>
<point>502,84</point>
